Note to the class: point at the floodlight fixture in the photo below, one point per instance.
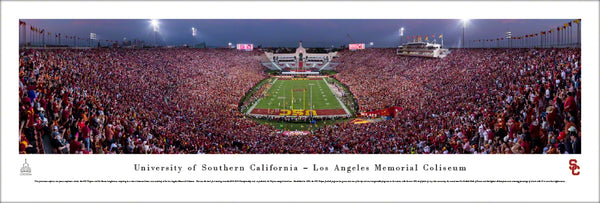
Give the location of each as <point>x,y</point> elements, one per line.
<point>465,21</point>
<point>154,24</point>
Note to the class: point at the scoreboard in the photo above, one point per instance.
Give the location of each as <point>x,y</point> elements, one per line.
<point>245,47</point>
<point>356,46</point>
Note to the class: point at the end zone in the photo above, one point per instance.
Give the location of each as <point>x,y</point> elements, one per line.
<point>298,112</point>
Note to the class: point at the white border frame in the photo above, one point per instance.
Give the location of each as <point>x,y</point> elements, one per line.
<point>576,188</point>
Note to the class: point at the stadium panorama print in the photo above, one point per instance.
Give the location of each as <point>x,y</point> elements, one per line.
<point>428,91</point>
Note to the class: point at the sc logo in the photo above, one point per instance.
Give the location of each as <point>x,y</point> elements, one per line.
<point>574,167</point>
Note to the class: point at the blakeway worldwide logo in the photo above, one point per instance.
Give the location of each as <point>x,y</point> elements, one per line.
<point>25,170</point>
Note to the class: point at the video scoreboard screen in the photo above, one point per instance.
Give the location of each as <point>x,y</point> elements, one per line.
<point>245,47</point>
<point>356,46</point>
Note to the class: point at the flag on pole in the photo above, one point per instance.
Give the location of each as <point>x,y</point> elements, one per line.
<point>569,24</point>
<point>22,23</point>
<point>426,37</point>
<point>577,21</point>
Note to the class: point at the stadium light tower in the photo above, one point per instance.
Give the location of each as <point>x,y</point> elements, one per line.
<point>194,37</point>
<point>154,24</point>
<point>401,34</point>
<point>465,21</point>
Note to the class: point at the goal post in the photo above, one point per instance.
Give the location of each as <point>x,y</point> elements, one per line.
<point>301,99</point>
<point>304,99</point>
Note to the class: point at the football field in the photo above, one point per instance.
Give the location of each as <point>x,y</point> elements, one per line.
<point>299,97</point>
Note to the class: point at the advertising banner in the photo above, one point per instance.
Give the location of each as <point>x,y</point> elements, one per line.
<point>245,47</point>
<point>356,46</point>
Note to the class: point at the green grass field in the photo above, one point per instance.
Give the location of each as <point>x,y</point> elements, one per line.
<point>301,126</point>
<point>299,94</point>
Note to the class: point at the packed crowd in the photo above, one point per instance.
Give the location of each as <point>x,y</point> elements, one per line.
<point>186,101</point>
<point>135,101</point>
<point>344,94</point>
<point>473,101</point>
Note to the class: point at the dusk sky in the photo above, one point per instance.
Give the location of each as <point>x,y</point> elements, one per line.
<point>287,32</point>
